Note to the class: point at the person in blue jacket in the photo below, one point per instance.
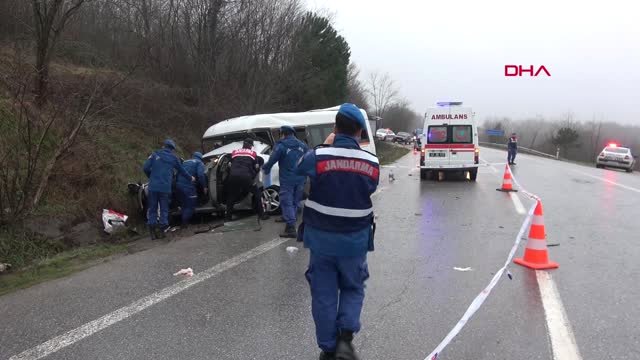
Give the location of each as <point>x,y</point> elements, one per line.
<point>159,169</point>
<point>187,189</point>
<point>338,229</point>
<point>287,152</point>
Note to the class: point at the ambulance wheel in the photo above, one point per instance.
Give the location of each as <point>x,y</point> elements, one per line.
<point>473,174</point>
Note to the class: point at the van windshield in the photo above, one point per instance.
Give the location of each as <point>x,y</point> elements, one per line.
<point>214,142</point>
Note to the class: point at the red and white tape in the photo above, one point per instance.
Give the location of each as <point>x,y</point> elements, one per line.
<point>480,299</point>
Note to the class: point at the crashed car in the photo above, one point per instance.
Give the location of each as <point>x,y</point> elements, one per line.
<point>312,127</point>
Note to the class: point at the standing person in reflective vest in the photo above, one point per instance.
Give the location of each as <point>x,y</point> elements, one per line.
<point>338,229</point>
<point>287,153</point>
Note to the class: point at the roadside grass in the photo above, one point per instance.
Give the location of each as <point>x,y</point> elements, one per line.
<point>388,153</point>
<point>58,266</point>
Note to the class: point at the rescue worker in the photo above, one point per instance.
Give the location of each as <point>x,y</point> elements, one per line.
<point>159,169</point>
<point>187,190</point>
<point>338,229</point>
<point>287,152</point>
<point>512,149</point>
<point>245,165</point>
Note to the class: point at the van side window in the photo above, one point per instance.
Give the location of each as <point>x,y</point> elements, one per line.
<point>437,134</point>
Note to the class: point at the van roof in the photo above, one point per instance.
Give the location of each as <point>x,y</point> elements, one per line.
<point>274,121</point>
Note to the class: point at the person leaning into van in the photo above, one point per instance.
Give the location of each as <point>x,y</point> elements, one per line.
<point>245,165</point>
<point>287,152</point>
<point>338,229</point>
<point>159,169</point>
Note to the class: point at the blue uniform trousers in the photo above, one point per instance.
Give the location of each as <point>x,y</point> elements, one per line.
<point>337,294</point>
<point>290,198</point>
<point>154,199</point>
<point>188,199</point>
<point>511,157</point>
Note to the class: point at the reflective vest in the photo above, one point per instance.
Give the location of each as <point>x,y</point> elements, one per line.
<point>243,163</point>
<point>340,199</point>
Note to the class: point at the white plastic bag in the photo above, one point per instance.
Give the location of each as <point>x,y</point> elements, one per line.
<point>112,220</point>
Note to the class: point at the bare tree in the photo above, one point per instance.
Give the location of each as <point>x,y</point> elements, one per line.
<point>382,92</point>
<point>49,17</point>
<point>357,93</point>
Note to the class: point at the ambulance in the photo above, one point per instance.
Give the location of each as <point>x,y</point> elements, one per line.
<point>449,141</point>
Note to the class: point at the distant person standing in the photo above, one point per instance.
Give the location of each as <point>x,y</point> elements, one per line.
<point>338,229</point>
<point>287,152</point>
<point>159,169</point>
<point>187,189</point>
<point>512,149</point>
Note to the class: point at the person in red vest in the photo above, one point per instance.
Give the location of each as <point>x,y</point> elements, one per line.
<point>245,165</point>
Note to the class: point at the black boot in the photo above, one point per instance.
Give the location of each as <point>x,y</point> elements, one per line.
<point>280,220</point>
<point>327,355</point>
<point>160,231</point>
<point>152,231</point>
<point>344,349</point>
<point>289,232</point>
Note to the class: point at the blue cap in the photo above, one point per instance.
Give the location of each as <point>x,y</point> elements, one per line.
<point>170,144</point>
<point>197,155</point>
<point>352,112</point>
<point>287,129</point>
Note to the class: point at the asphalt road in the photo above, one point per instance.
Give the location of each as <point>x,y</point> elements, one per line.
<point>254,304</point>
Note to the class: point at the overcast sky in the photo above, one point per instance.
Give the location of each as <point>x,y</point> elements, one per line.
<point>457,50</point>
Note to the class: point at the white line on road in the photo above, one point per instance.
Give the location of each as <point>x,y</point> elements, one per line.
<point>563,343</point>
<point>102,323</point>
<point>608,181</point>
<point>517,204</point>
<point>487,164</point>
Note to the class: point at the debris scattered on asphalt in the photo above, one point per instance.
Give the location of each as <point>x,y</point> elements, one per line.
<point>571,237</point>
<point>4,267</point>
<point>418,214</point>
<point>185,272</point>
<point>463,269</point>
<point>501,227</point>
<point>554,244</point>
<point>391,176</point>
<point>410,174</point>
<point>292,249</point>
<point>509,275</point>
<point>112,220</point>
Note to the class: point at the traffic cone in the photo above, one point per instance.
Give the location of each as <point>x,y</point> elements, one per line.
<point>507,185</point>
<point>536,255</point>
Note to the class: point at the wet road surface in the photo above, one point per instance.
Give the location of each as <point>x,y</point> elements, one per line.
<point>259,306</point>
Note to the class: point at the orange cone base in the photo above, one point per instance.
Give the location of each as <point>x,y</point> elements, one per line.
<point>506,190</point>
<point>536,266</point>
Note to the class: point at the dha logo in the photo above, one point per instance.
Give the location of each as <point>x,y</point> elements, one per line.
<point>518,70</point>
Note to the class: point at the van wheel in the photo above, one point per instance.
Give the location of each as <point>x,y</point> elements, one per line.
<point>423,174</point>
<point>473,174</point>
<point>630,170</point>
<point>271,199</point>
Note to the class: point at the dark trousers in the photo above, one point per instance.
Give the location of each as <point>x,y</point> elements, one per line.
<point>188,199</point>
<point>511,157</point>
<point>237,188</point>
<point>154,200</point>
<point>290,198</point>
<point>337,295</point>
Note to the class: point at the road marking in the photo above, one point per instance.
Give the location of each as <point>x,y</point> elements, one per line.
<point>563,343</point>
<point>489,165</point>
<point>517,204</point>
<point>90,328</point>
<point>608,181</point>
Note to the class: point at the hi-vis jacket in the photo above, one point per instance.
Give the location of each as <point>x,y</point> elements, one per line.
<point>244,163</point>
<point>343,177</point>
